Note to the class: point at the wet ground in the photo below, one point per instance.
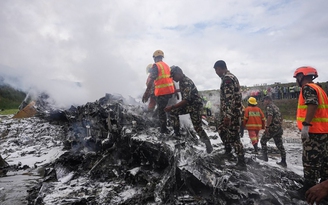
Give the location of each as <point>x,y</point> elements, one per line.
<point>14,186</point>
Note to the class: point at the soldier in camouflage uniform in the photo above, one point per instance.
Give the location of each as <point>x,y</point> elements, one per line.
<point>273,130</point>
<point>312,120</point>
<point>230,112</point>
<point>191,103</point>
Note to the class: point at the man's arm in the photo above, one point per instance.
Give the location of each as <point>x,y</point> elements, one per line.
<point>228,93</point>
<point>182,103</point>
<point>311,100</point>
<point>310,112</point>
<point>153,75</point>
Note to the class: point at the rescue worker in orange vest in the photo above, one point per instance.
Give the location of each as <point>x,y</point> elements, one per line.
<point>312,120</point>
<point>164,87</point>
<point>254,121</point>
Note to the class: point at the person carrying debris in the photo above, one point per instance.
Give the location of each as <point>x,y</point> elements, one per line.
<point>229,121</point>
<point>254,120</point>
<point>312,120</point>
<point>273,129</point>
<point>164,87</point>
<point>191,103</point>
<point>152,99</point>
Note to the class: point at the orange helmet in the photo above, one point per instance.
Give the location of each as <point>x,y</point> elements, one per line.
<point>306,70</point>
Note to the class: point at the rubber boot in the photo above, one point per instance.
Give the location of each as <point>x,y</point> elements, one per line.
<point>164,130</point>
<point>283,162</point>
<point>241,164</point>
<point>227,154</point>
<point>256,150</point>
<point>227,148</point>
<point>208,145</point>
<point>263,157</point>
<point>176,134</point>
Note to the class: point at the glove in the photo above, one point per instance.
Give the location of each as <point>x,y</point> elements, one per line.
<point>266,131</point>
<point>145,97</point>
<point>305,132</point>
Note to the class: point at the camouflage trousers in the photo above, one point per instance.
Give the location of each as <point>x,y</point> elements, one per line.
<point>161,104</point>
<point>277,137</point>
<point>196,119</point>
<point>315,158</point>
<point>231,137</point>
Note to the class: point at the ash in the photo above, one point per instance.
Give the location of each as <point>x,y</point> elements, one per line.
<point>111,152</point>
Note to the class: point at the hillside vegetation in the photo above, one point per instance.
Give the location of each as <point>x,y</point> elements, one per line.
<point>287,108</point>
<point>10,98</point>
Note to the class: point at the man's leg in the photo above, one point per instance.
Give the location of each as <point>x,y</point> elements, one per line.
<point>161,104</point>
<point>174,118</point>
<point>312,159</point>
<point>264,139</point>
<point>324,166</point>
<point>195,116</point>
<point>279,143</point>
<point>253,135</point>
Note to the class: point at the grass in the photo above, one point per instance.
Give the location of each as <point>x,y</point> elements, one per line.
<point>287,107</point>
<point>8,111</point>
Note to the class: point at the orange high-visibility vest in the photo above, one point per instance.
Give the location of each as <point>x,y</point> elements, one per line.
<point>253,118</point>
<point>320,119</point>
<point>163,83</point>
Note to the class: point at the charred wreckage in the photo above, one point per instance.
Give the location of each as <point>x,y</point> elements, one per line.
<point>115,154</point>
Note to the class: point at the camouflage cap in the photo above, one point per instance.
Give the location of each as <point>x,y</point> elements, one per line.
<point>174,70</point>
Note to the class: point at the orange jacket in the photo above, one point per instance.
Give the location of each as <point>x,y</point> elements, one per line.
<point>254,118</point>
<point>163,83</point>
<point>320,119</point>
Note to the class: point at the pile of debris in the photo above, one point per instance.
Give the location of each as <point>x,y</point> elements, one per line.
<point>115,154</point>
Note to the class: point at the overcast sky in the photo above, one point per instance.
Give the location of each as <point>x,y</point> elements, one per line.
<point>106,44</point>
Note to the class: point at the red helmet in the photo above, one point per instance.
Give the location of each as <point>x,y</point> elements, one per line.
<point>306,70</point>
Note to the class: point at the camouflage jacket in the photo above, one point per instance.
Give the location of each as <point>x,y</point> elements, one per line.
<point>272,110</point>
<point>189,92</point>
<point>230,97</point>
<point>310,95</point>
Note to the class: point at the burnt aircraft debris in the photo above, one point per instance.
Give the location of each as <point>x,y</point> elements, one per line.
<point>115,154</point>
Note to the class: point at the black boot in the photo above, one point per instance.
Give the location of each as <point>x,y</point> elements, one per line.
<point>256,149</point>
<point>208,145</point>
<point>263,157</point>
<point>227,153</point>
<point>283,162</point>
<point>176,134</point>
<point>241,164</point>
<point>227,148</point>
<point>164,130</point>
